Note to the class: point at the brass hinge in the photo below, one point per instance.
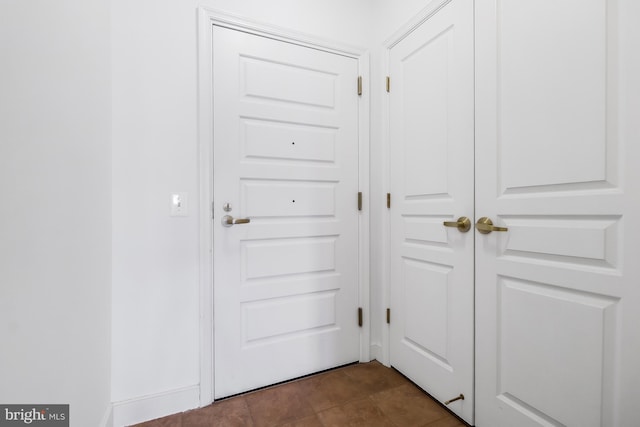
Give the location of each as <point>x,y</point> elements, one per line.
<point>388,200</point>
<point>360,316</point>
<point>388,84</point>
<point>359,85</point>
<point>359,200</point>
<point>388,315</point>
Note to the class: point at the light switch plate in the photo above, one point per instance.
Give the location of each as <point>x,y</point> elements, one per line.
<point>179,204</point>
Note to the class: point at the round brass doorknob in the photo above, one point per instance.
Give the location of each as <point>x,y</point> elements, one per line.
<point>485,226</point>
<point>463,224</point>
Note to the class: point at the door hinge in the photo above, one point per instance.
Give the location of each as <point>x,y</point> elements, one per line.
<point>360,316</point>
<point>359,85</point>
<point>388,200</point>
<point>388,315</point>
<point>388,84</point>
<point>212,211</point>
<point>359,200</point>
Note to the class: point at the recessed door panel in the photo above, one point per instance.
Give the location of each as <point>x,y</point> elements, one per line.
<point>425,122</point>
<point>276,319</point>
<point>265,258</point>
<point>425,230</point>
<point>288,198</point>
<point>565,384</point>
<point>552,116</point>
<point>581,240</point>
<point>427,307</point>
<point>273,81</point>
<point>266,140</point>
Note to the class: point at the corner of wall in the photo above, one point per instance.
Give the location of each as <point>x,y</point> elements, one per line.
<point>376,352</point>
<point>107,418</point>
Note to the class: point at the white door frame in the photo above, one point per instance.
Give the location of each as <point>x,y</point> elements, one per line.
<point>426,13</point>
<point>206,19</point>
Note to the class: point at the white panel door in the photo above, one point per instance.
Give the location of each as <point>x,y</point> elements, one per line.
<point>431,169</point>
<point>285,158</point>
<point>557,293</point>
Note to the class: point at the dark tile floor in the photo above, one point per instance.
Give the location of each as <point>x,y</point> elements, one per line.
<point>366,394</point>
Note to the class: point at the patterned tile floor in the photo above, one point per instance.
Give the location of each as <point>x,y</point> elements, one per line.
<point>366,394</point>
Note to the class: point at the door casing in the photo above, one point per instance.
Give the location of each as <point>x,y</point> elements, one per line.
<point>206,19</point>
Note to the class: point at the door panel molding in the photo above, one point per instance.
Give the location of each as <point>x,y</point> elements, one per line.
<point>419,19</point>
<point>207,18</point>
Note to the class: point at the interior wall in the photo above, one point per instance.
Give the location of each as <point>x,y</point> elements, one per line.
<point>55,216</point>
<point>76,75</point>
<point>155,256</point>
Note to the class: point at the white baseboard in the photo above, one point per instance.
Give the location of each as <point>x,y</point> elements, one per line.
<point>376,352</point>
<point>147,408</point>
<point>107,418</point>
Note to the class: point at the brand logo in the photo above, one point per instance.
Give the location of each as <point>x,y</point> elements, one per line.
<point>35,415</point>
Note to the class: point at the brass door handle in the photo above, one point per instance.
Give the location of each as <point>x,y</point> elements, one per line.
<point>485,226</point>
<point>463,224</point>
<point>228,221</point>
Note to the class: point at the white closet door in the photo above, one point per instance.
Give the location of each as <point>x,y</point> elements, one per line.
<point>431,165</point>
<point>557,298</point>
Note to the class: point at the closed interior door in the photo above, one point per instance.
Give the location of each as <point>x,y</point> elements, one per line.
<point>557,293</point>
<point>556,173</point>
<point>431,170</point>
<point>285,212</point>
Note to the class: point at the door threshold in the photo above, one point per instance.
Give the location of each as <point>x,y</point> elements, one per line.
<point>292,380</point>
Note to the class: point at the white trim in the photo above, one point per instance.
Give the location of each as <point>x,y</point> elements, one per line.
<point>376,352</point>
<point>107,417</point>
<point>431,9</point>
<point>364,230</point>
<point>159,405</point>
<point>386,180</point>
<point>419,19</point>
<point>208,17</point>
<point>205,165</point>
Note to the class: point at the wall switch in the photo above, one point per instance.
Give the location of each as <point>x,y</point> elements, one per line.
<point>179,204</point>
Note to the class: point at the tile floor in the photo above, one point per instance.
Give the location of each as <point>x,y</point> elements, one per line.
<point>366,394</point>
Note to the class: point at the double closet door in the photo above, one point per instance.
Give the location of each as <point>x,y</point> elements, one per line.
<point>513,193</point>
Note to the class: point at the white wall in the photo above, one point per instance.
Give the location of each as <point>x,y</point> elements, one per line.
<point>55,214</point>
<point>68,68</point>
<point>155,257</point>
<point>75,75</point>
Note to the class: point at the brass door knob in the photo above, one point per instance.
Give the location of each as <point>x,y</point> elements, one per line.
<point>485,226</point>
<point>463,224</point>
